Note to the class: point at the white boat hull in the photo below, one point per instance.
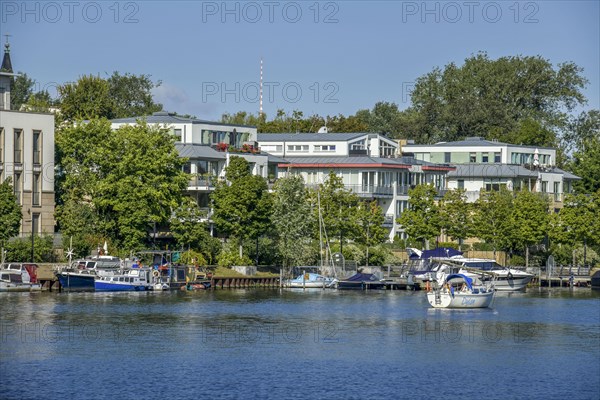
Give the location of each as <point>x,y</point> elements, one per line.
<point>309,285</point>
<point>19,287</point>
<point>460,299</point>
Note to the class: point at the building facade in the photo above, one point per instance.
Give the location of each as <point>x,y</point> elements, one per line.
<point>27,156</point>
<point>357,159</point>
<point>489,165</point>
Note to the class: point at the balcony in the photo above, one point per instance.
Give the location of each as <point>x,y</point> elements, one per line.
<point>202,182</point>
<point>371,190</point>
<point>388,220</point>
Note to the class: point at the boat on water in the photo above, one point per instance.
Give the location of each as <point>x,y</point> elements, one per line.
<point>309,280</point>
<point>360,281</point>
<point>459,291</point>
<point>505,279</point>
<point>81,274</point>
<point>137,279</point>
<point>426,265</point>
<point>16,277</point>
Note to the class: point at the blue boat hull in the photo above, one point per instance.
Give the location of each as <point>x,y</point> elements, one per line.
<point>74,282</point>
<point>102,286</point>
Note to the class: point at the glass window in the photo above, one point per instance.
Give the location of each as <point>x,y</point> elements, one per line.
<point>497,157</point>
<point>17,186</point>
<point>35,223</point>
<point>461,183</point>
<point>37,147</point>
<point>447,157</point>
<point>177,133</point>
<point>36,189</point>
<point>1,145</point>
<point>18,146</point>
<point>473,157</point>
<point>485,157</point>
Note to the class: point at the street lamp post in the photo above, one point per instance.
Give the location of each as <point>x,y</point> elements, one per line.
<point>32,237</point>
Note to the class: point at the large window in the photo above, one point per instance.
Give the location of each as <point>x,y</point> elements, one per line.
<point>37,147</point>
<point>18,146</point>
<point>461,183</point>
<point>447,157</point>
<point>35,223</point>
<point>325,147</point>
<point>17,186</point>
<point>497,157</point>
<point>299,148</point>
<point>472,157</point>
<point>36,190</point>
<point>1,145</point>
<point>485,157</point>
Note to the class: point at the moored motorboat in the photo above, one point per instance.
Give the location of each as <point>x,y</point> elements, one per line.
<point>137,279</point>
<point>459,291</point>
<point>81,274</point>
<point>15,277</point>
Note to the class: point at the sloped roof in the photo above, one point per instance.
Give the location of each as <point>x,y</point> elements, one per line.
<point>472,142</point>
<point>196,151</point>
<point>566,174</point>
<point>308,137</point>
<point>163,117</point>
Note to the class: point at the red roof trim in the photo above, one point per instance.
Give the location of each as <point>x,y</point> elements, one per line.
<point>328,165</point>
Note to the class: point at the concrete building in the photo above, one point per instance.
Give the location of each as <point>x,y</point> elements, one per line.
<point>27,156</point>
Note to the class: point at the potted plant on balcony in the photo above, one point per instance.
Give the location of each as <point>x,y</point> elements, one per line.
<point>221,146</point>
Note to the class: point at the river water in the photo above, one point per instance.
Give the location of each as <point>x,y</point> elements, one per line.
<point>294,344</point>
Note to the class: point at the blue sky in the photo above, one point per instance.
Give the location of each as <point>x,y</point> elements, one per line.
<point>326,57</point>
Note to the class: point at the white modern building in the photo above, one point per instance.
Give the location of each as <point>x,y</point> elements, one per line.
<point>367,163</point>
<point>27,156</point>
<point>209,146</point>
<point>489,165</point>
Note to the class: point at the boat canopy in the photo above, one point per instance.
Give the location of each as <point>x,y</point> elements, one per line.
<point>362,278</point>
<point>468,280</point>
<point>439,252</point>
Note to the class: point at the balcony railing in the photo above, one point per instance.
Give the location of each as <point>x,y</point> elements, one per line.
<point>202,182</point>
<point>371,190</point>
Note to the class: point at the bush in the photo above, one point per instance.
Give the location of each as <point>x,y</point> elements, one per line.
<point>229,259</point>
<point>450,245</point>
<point>19,250</point>
<point>192,257</point>
<point>482,246</point>
<point>516,261</point>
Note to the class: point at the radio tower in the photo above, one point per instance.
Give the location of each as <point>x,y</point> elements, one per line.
<point>260,101</point>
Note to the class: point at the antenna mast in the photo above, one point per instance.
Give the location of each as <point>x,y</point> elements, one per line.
<point>260,105</point>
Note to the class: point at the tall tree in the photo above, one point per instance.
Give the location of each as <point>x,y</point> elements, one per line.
<point>585,164</point>
<point>494,219</point>
<point>132,95</point>
<point>422,219</point>
<point>292,220</point>
<point>337,208</point>
<point>369,223</point>
<point>241,204</point>
<point>10,213</point>
<point>21,90</point>
<point>131,177</point>
<point>456,215</point>
<point>531,219</point>
<point>490,98</point>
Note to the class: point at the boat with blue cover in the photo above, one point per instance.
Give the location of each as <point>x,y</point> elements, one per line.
<point>81,274</point>
<point>360,281</point>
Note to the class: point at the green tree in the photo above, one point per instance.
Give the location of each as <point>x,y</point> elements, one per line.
<point>79,224</point>
<point>10,213</point>
<point>494,219</point>
<point>19,250</point>
<point>422,219</point>
<point>531,219</point>
<point>142,181</point>
<point>292,220</point>
<point>456,215</point>
<point>369,222</point>
<point>577,222</point>
<point>490,98</point>
<point>132,95</point>
<point>86,99</point>
<point>130,178</point>
<point>21,90</point>
<point>585,164</point>
<point>337,207</point>
<point>242,204</point>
